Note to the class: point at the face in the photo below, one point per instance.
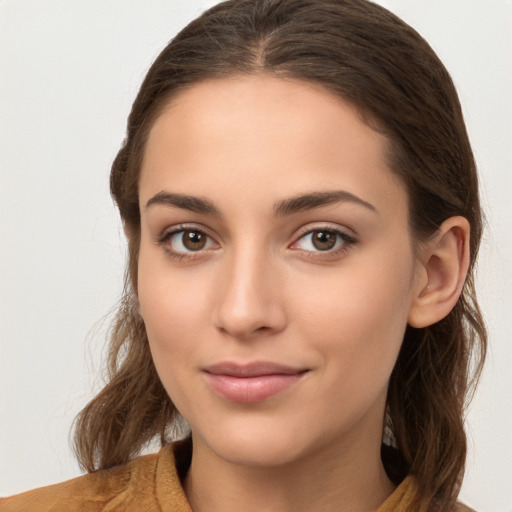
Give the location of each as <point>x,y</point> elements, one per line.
<point>276,269</point>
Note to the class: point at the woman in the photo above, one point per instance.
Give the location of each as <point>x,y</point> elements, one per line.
<point>301,206</point>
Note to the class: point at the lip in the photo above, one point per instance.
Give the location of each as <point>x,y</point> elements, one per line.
<point>253,382</point>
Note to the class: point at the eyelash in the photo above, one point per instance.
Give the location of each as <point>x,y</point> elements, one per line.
<point>166,236</point>
<point>347,241</point>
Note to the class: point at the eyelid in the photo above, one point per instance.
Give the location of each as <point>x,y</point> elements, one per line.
<point>169,232</point>
<point>348,240</point>
<point>319,226</point>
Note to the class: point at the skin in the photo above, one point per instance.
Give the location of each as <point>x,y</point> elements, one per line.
<point>260,290</point>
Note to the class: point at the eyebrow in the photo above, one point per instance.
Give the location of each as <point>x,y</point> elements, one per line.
<point>186,202</point>
<point>316,200</point>
<point>281,208</point>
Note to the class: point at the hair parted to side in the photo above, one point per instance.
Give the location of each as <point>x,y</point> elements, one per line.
<point>367,56</point>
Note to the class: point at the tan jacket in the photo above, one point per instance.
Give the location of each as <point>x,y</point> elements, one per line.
<point>149,483</point>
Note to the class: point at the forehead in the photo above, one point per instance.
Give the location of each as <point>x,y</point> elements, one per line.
<point>245,131</point>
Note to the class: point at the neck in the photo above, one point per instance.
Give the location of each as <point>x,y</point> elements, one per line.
<point>351,479</point>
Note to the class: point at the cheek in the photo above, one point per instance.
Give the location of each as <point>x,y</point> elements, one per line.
<point>174,320</point>
<point>358,318</point>
<point>174,312</point>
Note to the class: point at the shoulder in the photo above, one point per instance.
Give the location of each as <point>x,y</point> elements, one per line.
<point>92,492</point>
<point>404,497</point>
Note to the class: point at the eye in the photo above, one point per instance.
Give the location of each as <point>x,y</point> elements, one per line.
<point>182,242</point>
<point>327,240</point>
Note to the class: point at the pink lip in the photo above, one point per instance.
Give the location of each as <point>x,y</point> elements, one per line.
<point>253,382</point>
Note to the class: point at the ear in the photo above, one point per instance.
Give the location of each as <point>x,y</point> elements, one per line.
<point>444,263</point>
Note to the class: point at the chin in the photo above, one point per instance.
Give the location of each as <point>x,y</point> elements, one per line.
<point>254,445</point>
<point>258,454</point>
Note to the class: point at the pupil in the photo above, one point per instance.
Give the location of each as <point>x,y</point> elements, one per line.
<point>193,240</point>
<point>324,240</point>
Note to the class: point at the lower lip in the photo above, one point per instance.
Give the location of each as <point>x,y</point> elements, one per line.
<point>251,389</point>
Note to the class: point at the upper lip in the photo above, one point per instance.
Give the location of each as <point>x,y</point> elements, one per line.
<point>253,369</point>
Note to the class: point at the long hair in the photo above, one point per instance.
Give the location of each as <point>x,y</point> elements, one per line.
<point>365,55</point>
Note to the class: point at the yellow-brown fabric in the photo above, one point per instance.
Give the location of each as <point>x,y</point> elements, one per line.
<point>150,483</point>
<point>147,484</point>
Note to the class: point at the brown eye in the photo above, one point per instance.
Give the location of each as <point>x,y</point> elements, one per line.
<point>186,241</point>
<point>324,240</point>
<point>193,240</point>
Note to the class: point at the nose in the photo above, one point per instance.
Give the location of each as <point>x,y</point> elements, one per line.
<point>249,297</point>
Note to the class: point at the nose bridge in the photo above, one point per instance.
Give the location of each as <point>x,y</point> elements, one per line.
<point>249,298</point>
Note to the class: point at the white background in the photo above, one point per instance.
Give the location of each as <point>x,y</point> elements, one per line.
<point>69,70</point>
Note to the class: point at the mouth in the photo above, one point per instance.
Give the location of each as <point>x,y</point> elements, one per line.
<point>251,383</point>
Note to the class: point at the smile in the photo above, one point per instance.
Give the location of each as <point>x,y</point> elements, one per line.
<point>251,383</point>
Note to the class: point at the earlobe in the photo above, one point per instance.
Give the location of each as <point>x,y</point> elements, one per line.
<point>445,262</point>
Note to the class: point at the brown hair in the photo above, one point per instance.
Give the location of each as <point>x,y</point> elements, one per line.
<point>367,56</point>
